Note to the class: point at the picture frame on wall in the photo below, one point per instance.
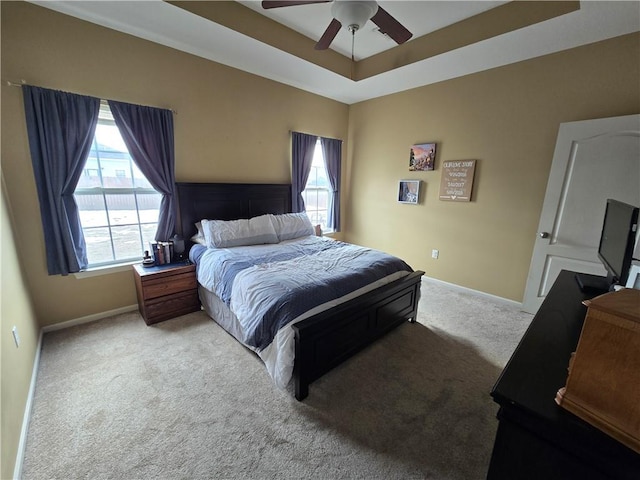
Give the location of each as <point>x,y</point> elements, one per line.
<point>456,182</point>
<point>409,191</point>
<point>422,157</point>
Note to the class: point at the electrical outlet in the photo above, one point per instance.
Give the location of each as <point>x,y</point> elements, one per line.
<point>435,253</point>
<point>16,337</point>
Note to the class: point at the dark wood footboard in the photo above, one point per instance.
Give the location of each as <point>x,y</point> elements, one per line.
<point>327,339</point>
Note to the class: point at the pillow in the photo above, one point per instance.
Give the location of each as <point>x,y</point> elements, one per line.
<point>199,236</point>
<point>234,233</point>
<point>292,225</point>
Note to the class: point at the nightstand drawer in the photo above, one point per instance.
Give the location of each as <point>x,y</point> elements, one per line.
<point>159,287</point>
<point>166,291</point>
<point>171,306</point>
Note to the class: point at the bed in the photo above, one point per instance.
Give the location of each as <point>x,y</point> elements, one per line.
<point>327,334</point>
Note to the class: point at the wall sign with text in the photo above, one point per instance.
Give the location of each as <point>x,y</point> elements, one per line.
<point>456,182</point>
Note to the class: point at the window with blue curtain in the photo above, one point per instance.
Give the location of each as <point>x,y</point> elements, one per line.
<point>118,206</point>
<point>63,133</point>
<point>316,166</point>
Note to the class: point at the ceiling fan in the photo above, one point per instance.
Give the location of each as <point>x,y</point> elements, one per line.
<point>353,14</point>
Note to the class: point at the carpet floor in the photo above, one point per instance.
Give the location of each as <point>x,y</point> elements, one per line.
<point>183,400</point>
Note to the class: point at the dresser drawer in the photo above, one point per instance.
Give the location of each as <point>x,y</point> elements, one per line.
<point>159,287</point>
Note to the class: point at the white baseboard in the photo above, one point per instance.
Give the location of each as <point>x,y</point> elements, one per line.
<point>22,443</point>
<point>89,318</point>
<point>474,292</point>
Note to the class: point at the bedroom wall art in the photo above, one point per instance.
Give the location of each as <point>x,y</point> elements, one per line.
<point>456,182</point>
<point>408,191</point>
<point>422,157</point>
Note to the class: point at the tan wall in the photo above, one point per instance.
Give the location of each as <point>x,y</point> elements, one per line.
<point>230,126</point>
<point>16,362</point>
<point>507,119</point>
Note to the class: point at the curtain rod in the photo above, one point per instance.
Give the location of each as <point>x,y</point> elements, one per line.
<point>23,82</point>
<point>315,135</point>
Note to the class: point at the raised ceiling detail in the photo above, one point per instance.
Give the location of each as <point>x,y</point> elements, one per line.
<point>460,39</point>
<point>491,23</point>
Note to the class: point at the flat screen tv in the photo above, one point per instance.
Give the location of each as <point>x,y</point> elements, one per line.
<point>615,251</point>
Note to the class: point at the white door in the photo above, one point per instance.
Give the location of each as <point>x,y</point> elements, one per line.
<point>593,160</point>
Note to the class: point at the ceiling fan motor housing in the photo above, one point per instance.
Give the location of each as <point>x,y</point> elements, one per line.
<point>353,14</point>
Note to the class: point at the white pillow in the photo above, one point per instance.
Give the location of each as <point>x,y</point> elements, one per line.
<point>199,236</point>
<point>292,225</point>
<point>234,233</point>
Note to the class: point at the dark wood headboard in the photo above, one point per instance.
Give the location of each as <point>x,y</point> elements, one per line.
<point>227,201</point>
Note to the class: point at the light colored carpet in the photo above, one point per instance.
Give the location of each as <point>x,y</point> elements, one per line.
<point>183,399</point>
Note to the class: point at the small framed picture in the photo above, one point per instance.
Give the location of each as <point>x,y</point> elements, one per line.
<point>422,157</point>
<point>409,191</point>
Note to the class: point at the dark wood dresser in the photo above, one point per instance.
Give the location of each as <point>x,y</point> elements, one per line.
<point>536,438</point>
<point>166,291</point>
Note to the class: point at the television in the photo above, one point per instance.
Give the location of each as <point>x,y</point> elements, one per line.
<point>615,251</point>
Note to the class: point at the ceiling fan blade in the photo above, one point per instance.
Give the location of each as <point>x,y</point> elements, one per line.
<point>267,4</point>
<point>392,27</point>
<point>328,35</point>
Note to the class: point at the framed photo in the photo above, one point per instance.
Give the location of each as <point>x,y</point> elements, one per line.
<point>408,191</point>
<point>422,157</point>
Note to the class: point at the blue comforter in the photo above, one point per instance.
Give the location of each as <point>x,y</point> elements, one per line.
<point>268,286</point>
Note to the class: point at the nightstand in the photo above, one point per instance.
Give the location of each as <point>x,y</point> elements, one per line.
<point>166,291</point>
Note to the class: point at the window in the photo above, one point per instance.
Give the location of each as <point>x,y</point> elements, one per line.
<point>118,207</point>
<point>317,193</point>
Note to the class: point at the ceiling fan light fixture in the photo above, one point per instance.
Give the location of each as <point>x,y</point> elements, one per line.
<point>353,14</point>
